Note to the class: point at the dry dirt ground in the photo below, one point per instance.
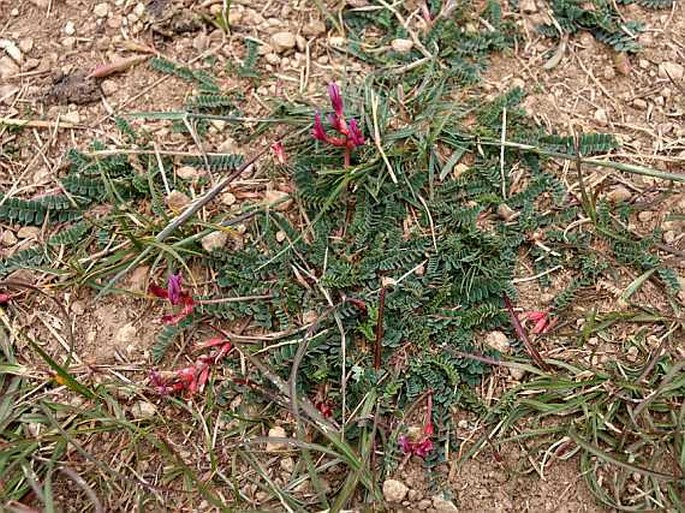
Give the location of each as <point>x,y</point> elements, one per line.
<point>590,87</point>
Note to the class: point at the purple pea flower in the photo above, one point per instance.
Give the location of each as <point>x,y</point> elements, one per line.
<point>174,288</point>
<point>337,123</point>
<point>318,132</point>
<point>336,98</point>
<point>355,133</point>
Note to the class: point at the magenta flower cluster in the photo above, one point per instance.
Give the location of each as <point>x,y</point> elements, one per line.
<point>349,133</point>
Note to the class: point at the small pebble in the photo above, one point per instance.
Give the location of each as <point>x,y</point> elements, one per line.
<point>601,117</point>
<point>69,42</point>
<point>69,28</point>
<point>109,87</point>
<point>101,10</point>
<point>276,446</point>
<point>671,69</point>
<point>283,41</point>
<point>619,194</point>
<point>213,241</point>
<point>8,239</point>
<point>228,199</point>
<point>640,104</point>
<point>528,6</point>
<point>177,201</point>
<point>189,173</point>
<point>669,237</point>
<point>143,410</point>
<point>314,28</point>
<point>72,117</point>
<point>442,505</point>
<point>273,59</point>
<point>645,216</point>
<point>28,232</point>
<point>26,45</point>
<point>394,490</point>
<point>8,67</point>
<point>402,45</point>
<point>337,41</point>
<point>424,504</point>
<point>632,354</point>
<point>287,464</point>
<point>517,374</point>
<point>497,341</point>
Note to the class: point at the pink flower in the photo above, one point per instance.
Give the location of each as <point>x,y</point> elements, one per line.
<point>318,131</point>
<point>336,99</point>
<point>350,136</point>
<point>193,378</point>
<point>174,288</point>
<point>422,446</point>
<point>542,319</point>
<point>279,153</point>
<point>355,135</point>
<point>337,123</point>
<point>176,296</point>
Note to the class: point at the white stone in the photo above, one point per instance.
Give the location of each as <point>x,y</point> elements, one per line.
<point>314,28</point>
<point>442,505</point>
<point>601,116</point>
<point>8,68</point>
<point>69,42</point>
<point>517,373</point>
<point>402,45</point>
<point>101,10</point>
<point>214,241</point>
<point>394,490</point>
<point>189,173</point>
<point>287,464</point>
<point>671,69</point>
<point>71,116</point>
<point>273,59</point>
<point>275,445</point>
<point>177,201</point>
<point>139,9</point>
<point>228,198</point>
<point>8,239</point>
<point>619,194</point>
<point>11,49</point>
<point>337,41</point>
<point>109,87</point>
<point>497,341</point>
<point>69,28</point>
<point>283,41</point>
<point>28,232</point>
<point>26,44</point>
<point>143,410</point>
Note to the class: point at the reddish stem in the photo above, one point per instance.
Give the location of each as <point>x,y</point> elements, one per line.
<point>347,157</point>
<point>534,354</point>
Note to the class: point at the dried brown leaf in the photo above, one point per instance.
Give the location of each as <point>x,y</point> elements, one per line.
<point>118,66</point>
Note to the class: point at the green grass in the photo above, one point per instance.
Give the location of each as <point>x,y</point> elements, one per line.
<point>370,286</point>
